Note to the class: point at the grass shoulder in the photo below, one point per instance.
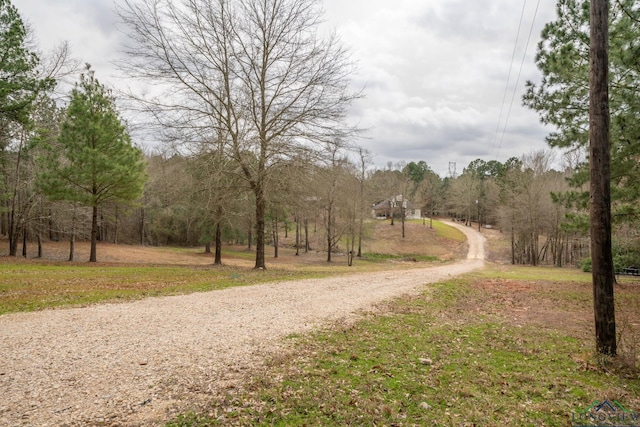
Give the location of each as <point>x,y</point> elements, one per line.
<point>487,349</point>
<point>36,286</point>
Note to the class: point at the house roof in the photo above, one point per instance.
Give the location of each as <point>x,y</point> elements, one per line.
<point>398,200</point>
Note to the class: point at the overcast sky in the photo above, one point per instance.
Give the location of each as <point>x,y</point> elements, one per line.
<point>434,71</point>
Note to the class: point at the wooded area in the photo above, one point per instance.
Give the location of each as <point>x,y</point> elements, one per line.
<point>256,142</point>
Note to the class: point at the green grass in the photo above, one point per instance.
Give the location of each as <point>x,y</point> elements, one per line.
<point>537,273</point>
<point>447,357</point>
<point>447,232</point>
<point>33,286</point>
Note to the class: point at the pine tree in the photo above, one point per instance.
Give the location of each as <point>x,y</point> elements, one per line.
<point>93,161</point>
<point>562,97</point>
<point>20,85</point>
<point>19,82</point>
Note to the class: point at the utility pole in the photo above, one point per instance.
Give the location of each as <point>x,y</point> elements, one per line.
<point>600,169</point>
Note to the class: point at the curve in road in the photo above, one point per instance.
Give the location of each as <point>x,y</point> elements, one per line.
<point>139,363</point>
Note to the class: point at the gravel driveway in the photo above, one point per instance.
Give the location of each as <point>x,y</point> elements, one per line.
<point>139,363</point>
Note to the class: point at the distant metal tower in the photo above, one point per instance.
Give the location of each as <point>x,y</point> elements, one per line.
<point>452,169</point>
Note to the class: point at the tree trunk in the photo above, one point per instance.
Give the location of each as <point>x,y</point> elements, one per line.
<point>275,237</point>
<point>207,247</point>
<point>513,247</point>
<point>3,223</point>
<point>534,252</point>
<point>94,235</point>
<point>351,242</point>
<point>142,225</point>
<point>14,230</point>
<point>72,238</point>
<point>39,246</point>
<point>72,241</point>
<point>329,231</point>
<point>218,254</point>
<point>115,231</point>
<point>13,236</point>
<point>306,235</point>
<point>599,160</point>
<point>361,216</point>
<point>297,236</point>
<point>260,211</point>
<point>24,243</point>
<point>50,225</point>
<point>102,227</point>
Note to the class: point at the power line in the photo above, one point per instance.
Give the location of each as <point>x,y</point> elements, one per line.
<point>506,86</point>
<point>515,87</point>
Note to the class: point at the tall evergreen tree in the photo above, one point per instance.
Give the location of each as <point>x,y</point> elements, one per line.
<point>19,81</point>
<point>93,161</point>
<point>562,97</point>
<point>19,88</point>
<point>599,40</point>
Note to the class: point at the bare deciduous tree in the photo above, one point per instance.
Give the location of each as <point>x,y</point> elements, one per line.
<point>364,160</point>
<point>462,195</point>
<point>527,208</point>
<point>257,69</point>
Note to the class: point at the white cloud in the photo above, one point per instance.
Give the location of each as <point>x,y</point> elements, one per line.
<point>434,71</point>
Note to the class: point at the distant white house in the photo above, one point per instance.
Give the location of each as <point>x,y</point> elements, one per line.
<point>394,206</point>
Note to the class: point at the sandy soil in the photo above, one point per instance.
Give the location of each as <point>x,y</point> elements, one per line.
<point>140,363</point>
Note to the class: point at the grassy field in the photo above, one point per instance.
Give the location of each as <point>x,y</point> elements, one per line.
<point>133,272</point>
<point>506,346</point>
<point>28,287</point>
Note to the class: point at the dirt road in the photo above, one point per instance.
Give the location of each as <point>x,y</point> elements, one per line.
<point>139,363</point>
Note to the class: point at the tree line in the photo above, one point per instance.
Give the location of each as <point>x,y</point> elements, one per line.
<point>250,102</point>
